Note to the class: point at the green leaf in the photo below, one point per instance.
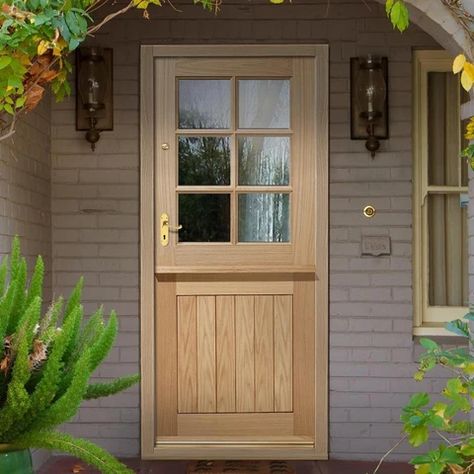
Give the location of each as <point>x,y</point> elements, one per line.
<point>98,390</point>
<point>8,108</point>
<point>388,6</point>
<point>5,61</point>
<point>428,344</point>
<point>399,15</point>
<point>469,316</point>
<point>419,400</point>
<point>80,448</point>
<point>418,435</point>
<point>458,327</point>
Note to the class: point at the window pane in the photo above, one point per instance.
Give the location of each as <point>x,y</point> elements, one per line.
<point>204,103</point>
<point>264,160</point>
<point>264,103</point>
<point>204,160</point>
<point>448,256</point>
<point>204,217</point>
<point>443,116</point>
<point>264,217</point>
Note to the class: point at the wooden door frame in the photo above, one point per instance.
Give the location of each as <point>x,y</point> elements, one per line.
<point>320,52</point>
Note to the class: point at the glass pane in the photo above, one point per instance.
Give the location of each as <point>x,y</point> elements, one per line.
<point>443,146</point>
<point>264,217</point>
<point>264,103</point>
<point>204,103</point>
<point>448,253</point>
<point>204,160</point>
<point>204,217</point>
<point>264,160</point>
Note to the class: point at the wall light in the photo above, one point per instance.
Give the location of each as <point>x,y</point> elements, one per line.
<point>369,104</point>
<point>94,92</point>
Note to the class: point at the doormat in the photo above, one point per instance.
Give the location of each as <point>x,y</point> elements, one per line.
<point>240,467</point>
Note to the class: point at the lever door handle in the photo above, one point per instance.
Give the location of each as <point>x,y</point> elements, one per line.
<point>166,228</point>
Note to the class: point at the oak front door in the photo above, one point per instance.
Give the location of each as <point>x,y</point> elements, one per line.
<point>234,252</point>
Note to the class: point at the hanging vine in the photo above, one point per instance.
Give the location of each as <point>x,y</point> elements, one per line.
<point>38,36</point>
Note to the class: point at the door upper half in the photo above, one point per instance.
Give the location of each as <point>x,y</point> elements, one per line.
<point>235,158</point>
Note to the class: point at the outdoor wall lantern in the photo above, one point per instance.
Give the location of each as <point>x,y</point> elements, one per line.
<point>369,104</point>
<point>94,92</point>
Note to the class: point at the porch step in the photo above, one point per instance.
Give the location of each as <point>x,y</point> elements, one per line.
<point>240,467</point>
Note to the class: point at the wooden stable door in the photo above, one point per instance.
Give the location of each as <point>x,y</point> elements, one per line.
<point>235,361</point>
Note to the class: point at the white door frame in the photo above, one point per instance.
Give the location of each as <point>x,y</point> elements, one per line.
<point>149,450</point>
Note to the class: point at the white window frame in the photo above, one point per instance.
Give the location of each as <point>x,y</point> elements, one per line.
<point>427,320</point>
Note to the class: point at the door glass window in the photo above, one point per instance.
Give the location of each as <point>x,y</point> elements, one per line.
<point>234,179</point>
<point>204,103</point>
<point>204,160</point>
<point>264,103</point>
<point>204,217</point>
<point>264,217</point>
<point>264,160</point>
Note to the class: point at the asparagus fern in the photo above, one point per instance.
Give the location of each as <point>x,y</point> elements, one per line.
<point>46,363</point>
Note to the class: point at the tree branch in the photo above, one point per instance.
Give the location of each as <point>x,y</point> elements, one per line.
<point>109,17</point>
<point>385,456</point>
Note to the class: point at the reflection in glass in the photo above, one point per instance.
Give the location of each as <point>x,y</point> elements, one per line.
<point>204,217</point>
<point>204,103</point>
<point>443,151</point>
<point>264,217</point>
<point>204,160</point>
<point>448,251</point>
<point>264,160</point>
<point>264,103</point>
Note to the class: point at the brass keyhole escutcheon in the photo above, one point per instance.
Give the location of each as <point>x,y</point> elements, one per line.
<point>165,146</point>
<point>369,211</point>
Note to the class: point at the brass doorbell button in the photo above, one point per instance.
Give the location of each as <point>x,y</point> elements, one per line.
<point>369,211</point>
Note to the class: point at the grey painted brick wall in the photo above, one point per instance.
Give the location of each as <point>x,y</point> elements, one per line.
<point>95,214</point>
<point>25,194</point>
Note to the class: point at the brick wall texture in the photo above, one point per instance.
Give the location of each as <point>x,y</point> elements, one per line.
<point>95,211</point>
<point>25,195</point>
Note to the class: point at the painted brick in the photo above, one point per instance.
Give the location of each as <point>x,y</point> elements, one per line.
<point>95,204</point>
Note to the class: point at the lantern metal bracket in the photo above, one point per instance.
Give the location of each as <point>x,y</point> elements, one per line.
<point>362,128</point>
<point>100,120</point>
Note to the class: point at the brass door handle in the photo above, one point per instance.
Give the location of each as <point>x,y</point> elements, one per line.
<point>166,228</point>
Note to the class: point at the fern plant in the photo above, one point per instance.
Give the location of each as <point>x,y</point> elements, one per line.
<point>46,361</point>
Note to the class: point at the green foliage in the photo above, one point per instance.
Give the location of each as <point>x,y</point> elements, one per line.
<point>397,12</point>
<point>445,420</point>
<point>85,450</point>
<point>45,368</point>
<point>36,39</point>
<point>98,390</point>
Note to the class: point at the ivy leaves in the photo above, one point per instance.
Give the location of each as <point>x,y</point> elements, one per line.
<point>397,12</point>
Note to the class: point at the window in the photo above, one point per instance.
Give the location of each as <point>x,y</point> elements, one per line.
<point>440,195</point>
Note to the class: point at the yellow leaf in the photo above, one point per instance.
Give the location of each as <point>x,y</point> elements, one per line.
<point>466,80</point>
<point>422,469</point>
<point>43,46</point>
<point>469,68</point>
<point>458,63</point>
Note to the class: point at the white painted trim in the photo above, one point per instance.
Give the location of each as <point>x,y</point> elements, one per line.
<point>424,316</point>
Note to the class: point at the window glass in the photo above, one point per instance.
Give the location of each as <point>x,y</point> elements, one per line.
<point>264,103</point>
<point>204,217</point>
<point>264,160</point>
<point>204,103</point>
<point>204,160</point>
<point>448,253</point>
<point>264,217</point>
